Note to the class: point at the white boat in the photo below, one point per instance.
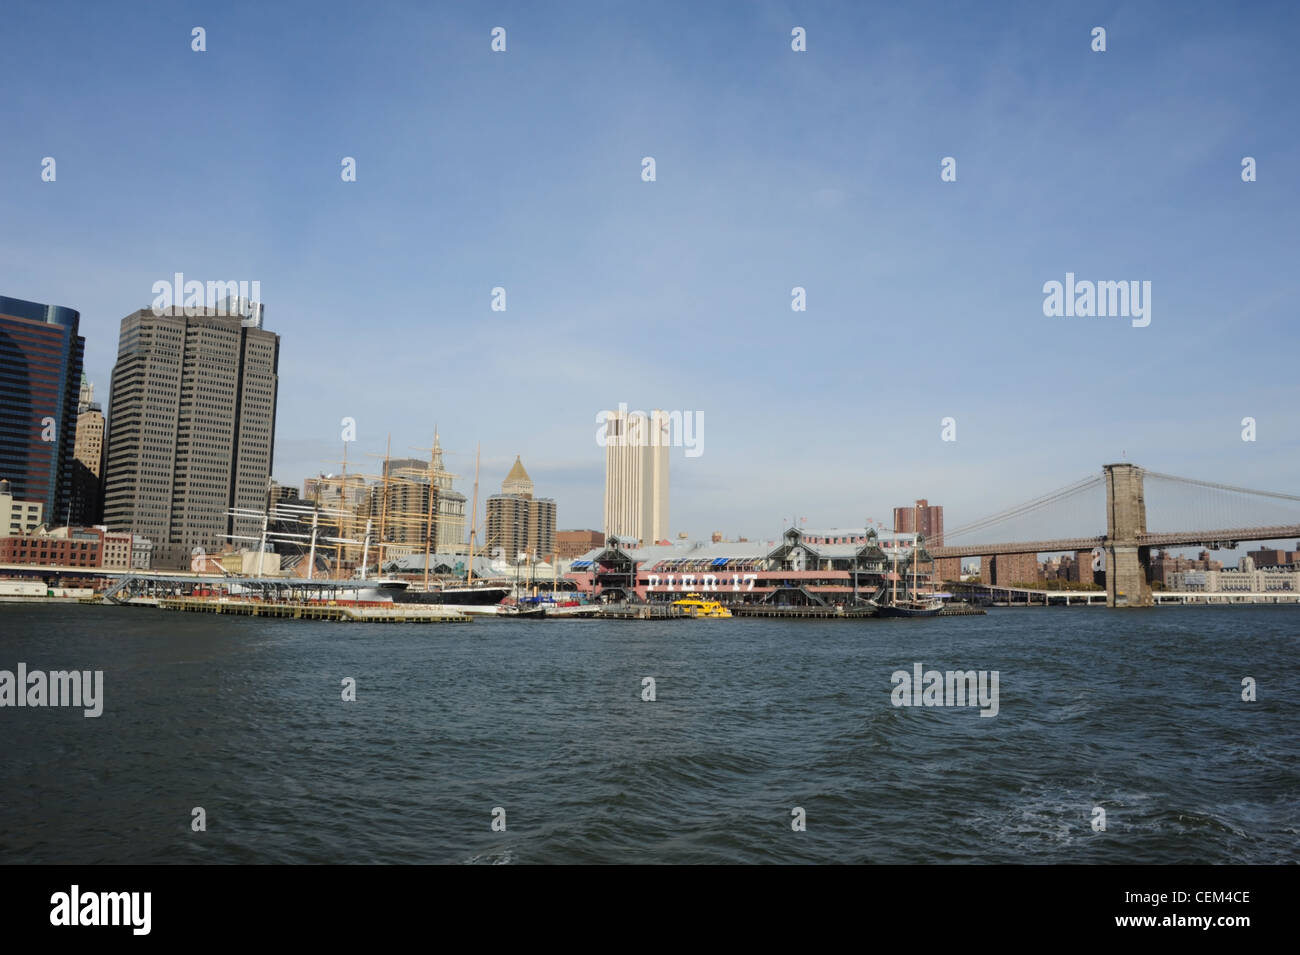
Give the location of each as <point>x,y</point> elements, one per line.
<point>576,610</point>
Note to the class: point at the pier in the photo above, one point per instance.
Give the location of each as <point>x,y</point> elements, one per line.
<point>831,613</point>
<point>642,612</point>
<point>309,611</point>
<point>814,611</point>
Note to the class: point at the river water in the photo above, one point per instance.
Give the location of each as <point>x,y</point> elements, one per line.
<point>542,726</point>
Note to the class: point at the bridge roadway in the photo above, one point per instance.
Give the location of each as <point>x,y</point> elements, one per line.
<point>1207,538</point>
<point>1037,597</point>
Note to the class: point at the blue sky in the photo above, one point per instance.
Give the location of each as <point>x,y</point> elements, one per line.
<point>775,169</point>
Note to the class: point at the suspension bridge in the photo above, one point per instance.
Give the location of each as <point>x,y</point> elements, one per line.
<point>1186,513</point>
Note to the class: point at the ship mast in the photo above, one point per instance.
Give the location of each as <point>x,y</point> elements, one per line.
<point>894,575</point>
<point>428,529</point>
<point>855,566</point>
<point>343,489</point>
<point>916,542</point>
<point>473,520</point>
<point>383,508</point>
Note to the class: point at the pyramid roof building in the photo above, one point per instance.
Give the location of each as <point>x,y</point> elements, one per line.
<point>517,481</point>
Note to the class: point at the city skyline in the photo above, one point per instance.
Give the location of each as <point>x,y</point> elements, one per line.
<point>676,293</point>
<point>451,520</point>
<point>588,433</point>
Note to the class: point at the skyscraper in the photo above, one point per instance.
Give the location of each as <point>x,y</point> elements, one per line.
<point>922,519</point>
<point>88,460</point>
<point>405,516</point>
<point>40,374</point>
<point>449,534</point>
<point>402,507</point>
<point>346,497</point>
<point>517,522</point>
<point>191,428</point>
<point>636,475</point>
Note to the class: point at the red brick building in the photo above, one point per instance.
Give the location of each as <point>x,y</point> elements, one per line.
<point>64,548</point>
<point>1081,571</point>
<point>1006,570</point>
<point>570,545</point>
<point>1275,558</point>
<point>1162,565</point>
<point>927,520</point>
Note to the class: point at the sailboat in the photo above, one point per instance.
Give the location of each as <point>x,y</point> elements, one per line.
<point>912,608</point>
<point>570,605</point>
<point>913,605</point>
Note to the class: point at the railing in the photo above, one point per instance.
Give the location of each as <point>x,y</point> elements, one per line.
<point>1022,547</point>
<point>1162,539</point>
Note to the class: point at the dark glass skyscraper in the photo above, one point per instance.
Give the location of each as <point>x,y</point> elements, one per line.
<point>40,375</point>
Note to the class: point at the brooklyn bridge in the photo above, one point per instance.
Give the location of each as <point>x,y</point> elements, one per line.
<point>1192,514</point>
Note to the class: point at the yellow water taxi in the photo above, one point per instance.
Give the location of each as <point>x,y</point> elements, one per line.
<point>697,606</point>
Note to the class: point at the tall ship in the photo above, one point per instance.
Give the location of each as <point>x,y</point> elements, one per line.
<point>911,607</point>
<point>466,599</point>
<point>429,578</point>
<point>483,595</point>
<point>911,603</point>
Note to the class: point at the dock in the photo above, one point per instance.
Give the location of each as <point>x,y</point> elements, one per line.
<point>832,613</point>
<point>313,611</point>
<point>803,613</point>
<point>642,612</point>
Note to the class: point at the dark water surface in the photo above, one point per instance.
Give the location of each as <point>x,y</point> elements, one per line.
<point>1138,712</point>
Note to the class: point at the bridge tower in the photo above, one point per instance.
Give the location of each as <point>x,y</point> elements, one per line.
<point>1126,521</point>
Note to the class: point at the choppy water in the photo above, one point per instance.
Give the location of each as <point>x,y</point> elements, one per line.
<point>1138,712</point>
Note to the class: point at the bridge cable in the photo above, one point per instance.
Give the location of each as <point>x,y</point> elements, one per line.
<point>1222,487</point>
<point>1020,510</point>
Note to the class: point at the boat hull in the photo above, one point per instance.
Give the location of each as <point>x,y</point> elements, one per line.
<point>457,597</point>
<point>585,610</point>
<point>520,613</point>
<point>909,612</point>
